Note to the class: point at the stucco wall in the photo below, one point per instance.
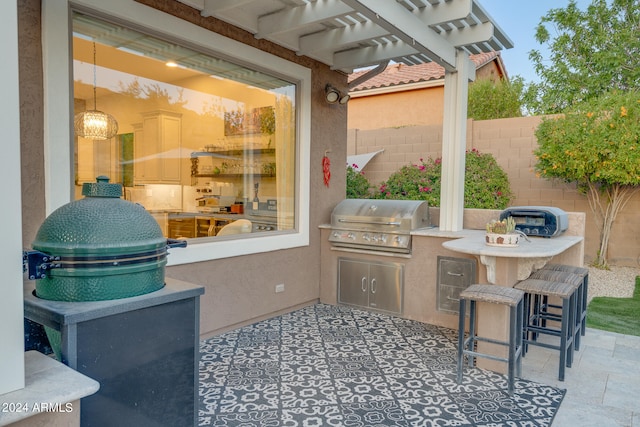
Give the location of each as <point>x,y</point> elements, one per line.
<point>406,108</point>
<point>31,118</point>
<point>511,142</point>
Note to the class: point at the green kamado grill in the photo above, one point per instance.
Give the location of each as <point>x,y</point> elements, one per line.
<point>98,248</point>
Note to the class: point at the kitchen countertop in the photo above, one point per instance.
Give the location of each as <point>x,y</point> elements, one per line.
<point>473,242</point>
<point>46,381</point>
<point>529,255</point>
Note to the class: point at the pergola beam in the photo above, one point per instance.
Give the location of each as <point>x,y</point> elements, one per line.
<point>408,28</point>
<point>300,17</point>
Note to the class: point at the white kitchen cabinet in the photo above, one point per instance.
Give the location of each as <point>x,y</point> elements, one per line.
<point>157,147</point>
<point>373,285</point>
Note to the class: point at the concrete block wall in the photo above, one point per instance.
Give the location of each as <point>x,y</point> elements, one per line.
<point>512,142</point>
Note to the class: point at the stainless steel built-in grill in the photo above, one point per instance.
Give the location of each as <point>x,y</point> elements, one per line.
<point>380,225</point>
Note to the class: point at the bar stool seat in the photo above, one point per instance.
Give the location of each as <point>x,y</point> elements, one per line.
<point>534,321</point>
<point>583,298</point>
<point>547,308</point>
<point>494,294</point>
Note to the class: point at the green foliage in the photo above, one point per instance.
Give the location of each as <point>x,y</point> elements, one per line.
<point>590,51</point>
<point>486,184</point>
<point>597,142</point>
<point>621,315</point>
<point>597,146</point>
<point>358,186</point>
<point>495,100</point>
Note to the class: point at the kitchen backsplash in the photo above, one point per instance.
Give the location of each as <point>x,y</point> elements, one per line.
<point>156,197</point>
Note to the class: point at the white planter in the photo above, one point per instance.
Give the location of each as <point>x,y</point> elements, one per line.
<point>503,240</point>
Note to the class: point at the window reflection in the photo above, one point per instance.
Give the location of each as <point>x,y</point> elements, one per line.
<point>205,145</point>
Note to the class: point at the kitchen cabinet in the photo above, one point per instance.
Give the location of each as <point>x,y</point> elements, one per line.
<point>454,276</point>
<point>182,227</point>
<point>373,285</point>
<point>207,224</point>
<point>157,148</point>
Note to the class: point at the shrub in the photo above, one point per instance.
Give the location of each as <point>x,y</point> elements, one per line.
<point>358,186</point>
<point>486,184</point>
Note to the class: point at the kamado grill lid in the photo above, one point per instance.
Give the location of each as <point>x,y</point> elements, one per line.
<point>99,224</point>
<point>97,248</point>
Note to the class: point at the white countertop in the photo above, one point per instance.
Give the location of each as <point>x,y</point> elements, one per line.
<point>474,243</point>
<point>47,381</point>
<point>530,255</point>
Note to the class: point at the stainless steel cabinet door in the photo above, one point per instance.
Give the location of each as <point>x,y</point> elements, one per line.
<point>385,287</point>
<point>353,282</point>
<point>375,285</point>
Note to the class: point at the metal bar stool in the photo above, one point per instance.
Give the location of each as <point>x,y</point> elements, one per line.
<point>547,308</point>
<point>533,319</point>
<point>580,271</point>
<point>496,295</point>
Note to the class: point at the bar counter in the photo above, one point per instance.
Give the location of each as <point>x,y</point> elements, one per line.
<point>530,255</point>
<point>506,267</point>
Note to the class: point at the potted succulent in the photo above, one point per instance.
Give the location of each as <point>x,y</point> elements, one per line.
<point>502,233</point>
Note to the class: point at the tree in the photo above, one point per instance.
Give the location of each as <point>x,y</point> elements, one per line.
<point>495,100</point>
<point>591,52</point>
<point>597,146</point>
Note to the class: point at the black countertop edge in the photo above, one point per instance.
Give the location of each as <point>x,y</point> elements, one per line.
<point>63,312</point>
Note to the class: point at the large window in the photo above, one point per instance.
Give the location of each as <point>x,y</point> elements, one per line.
<point>205,144</point>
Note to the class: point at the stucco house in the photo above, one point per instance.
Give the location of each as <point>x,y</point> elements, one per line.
<point>222,109</point>
<point>409,95</point>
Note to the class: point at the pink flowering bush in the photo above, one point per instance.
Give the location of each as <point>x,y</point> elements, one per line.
<point>486,183</point>
<point>358,186</point>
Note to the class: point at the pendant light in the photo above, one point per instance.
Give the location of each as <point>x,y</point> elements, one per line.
<point>94,124</point>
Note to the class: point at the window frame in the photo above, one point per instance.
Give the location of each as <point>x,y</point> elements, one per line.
<point>58,129</point>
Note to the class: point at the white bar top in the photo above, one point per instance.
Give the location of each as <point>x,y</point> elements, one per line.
<point>47,383</point>
<point>473,243</point>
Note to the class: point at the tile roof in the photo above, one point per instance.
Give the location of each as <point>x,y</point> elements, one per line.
<point>399,74</point>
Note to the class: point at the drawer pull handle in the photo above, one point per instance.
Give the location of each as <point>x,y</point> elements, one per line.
<point>364,284</point>
<point>453,299</point>
<point>455,274</point>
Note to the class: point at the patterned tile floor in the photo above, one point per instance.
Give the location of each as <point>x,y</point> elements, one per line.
<point>329,365</point>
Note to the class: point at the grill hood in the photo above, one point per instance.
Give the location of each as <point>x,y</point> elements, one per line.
<point>381,225</point>
<point>400,216</point>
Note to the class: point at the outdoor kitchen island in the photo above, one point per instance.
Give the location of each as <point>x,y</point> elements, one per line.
<point>422,284</point>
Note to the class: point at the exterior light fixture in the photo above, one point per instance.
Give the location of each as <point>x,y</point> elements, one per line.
<point>333,95</point>
<point>94,124</point>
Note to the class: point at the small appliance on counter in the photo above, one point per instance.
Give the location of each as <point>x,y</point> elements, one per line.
<point>541,221</point>
<point>214,197</point>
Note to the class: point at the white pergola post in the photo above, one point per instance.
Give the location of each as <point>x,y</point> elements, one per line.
<point>11,302</point>
<point>454,141</point>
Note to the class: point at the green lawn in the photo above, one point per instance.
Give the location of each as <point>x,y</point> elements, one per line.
<point>620,315</point>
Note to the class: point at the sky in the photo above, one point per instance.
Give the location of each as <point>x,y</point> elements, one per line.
<point>519,19</point>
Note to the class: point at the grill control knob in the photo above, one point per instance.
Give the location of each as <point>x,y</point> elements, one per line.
<point>383,238</point>
<point>351,236</point>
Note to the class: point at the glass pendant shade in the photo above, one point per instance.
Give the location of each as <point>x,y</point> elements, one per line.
<point>94,124</point>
